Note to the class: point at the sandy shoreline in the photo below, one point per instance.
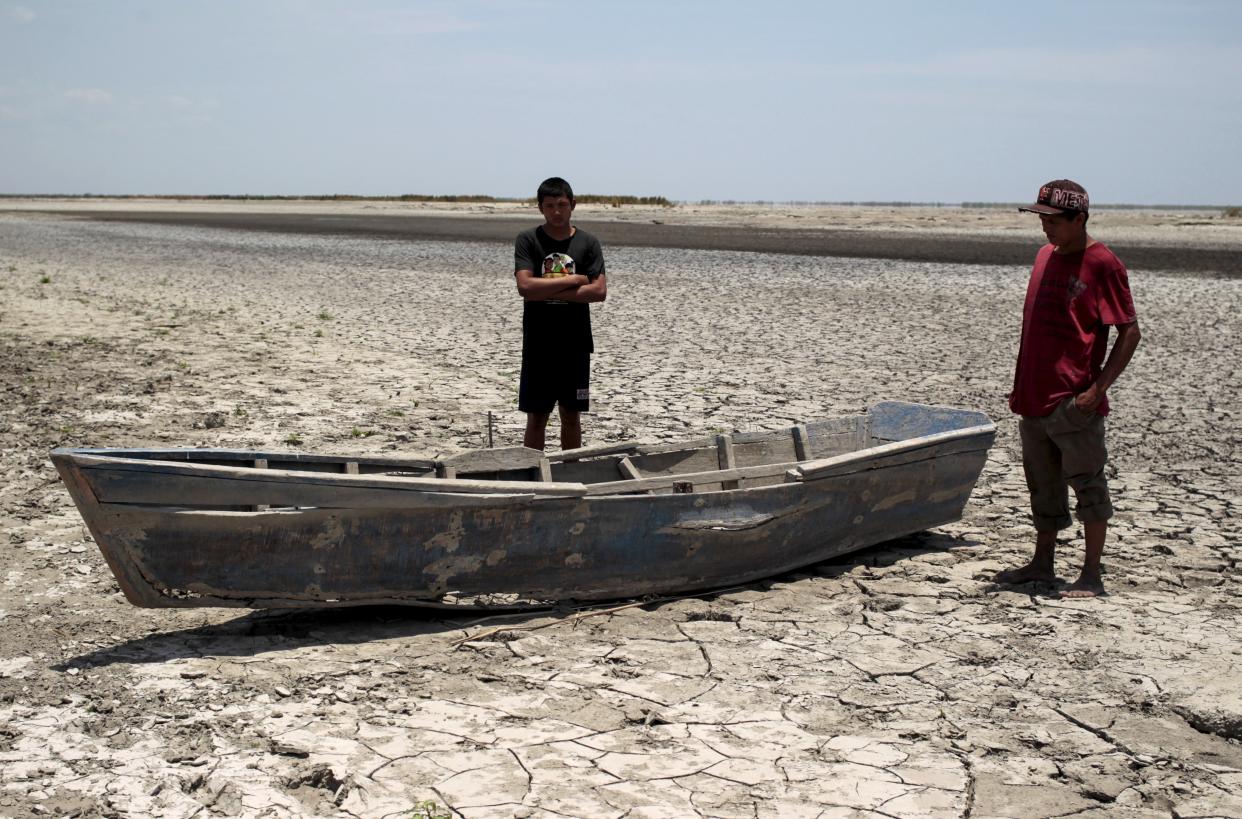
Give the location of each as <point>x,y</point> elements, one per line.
<point>1195,241</point>
<point>896,682</point>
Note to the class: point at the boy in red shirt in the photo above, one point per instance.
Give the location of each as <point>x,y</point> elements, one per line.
<point>1078,289</point>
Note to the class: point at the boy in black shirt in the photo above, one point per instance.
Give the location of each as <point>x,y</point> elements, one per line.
<point>559,270</point>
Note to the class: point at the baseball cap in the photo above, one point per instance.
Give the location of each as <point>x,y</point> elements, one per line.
<point>1059,196</point>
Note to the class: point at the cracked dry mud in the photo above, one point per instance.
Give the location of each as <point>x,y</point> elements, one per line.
<point>895,682</point>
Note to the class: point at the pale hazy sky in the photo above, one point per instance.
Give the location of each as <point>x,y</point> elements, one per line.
<point>913,101</point>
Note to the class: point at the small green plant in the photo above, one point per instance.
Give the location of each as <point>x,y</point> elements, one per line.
<point>161,331</point>
<point>1230,213</point>
<point>12,268</point>
<point>324,315</point>
<point>429,809</point>
<point>396,413</point>
<point>293,439</point>
<point>361,433</point>
<point>240,412</point>
<point>45,279</point>
<point>183,366</point>
<point>319,333</point>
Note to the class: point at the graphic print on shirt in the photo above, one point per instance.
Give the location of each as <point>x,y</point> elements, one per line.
<point>1075,289</point>
<point>558,265</point>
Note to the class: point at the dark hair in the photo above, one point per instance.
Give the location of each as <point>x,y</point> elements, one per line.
<point>554,187</point>
<point>1071,215</point>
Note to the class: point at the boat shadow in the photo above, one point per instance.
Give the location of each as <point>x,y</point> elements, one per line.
<point>891,552</point>
<point>262,631</point>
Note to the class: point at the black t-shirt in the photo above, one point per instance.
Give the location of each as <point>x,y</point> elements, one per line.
<point>557,324</point>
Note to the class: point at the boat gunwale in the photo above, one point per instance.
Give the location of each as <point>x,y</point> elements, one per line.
<point>799,471</point>
<point>816,468</point>
<point>88,459</point>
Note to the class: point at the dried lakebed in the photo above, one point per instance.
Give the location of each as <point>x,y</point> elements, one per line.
<point>896,682</point>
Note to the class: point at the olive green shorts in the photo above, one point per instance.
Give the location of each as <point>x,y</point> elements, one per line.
<point>1065,449</point>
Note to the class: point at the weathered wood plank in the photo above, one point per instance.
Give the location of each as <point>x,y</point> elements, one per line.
<point>596,450</point>
<point>260,463</point>
<point>802,443</point>
<point>833,436</point>
<point>132,477</point>
<point>545,470</point>
<point>713,476</point>
<point>674,461</point>
<point>627,469</point>
<point>726,458</point>
<point>676,446</point>
<point>190,491</point>
<point>831,426</point>
<point>276,460</point>
<point>588,470</point>
<point>863,439</point>
<point>504,459</point>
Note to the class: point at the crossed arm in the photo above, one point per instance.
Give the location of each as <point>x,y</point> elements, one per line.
<point>567,288</point>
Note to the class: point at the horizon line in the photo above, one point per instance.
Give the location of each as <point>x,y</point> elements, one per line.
<point>588,198</point>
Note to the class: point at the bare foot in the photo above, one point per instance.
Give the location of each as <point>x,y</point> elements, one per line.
<point>1030,573</point>
<point>1087,585</point>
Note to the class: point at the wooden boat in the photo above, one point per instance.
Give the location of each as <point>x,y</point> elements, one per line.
<point>201,527</point>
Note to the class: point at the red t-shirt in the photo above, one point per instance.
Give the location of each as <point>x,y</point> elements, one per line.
<point>1071,301</point>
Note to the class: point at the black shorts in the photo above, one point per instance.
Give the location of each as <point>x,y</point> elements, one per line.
<point>565,381</point>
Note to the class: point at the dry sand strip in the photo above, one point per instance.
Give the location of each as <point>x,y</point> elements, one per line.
<point>897,682</point>
<point>1194,243</point>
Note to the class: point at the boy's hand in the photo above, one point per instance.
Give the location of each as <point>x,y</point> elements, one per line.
<point>1089,399</point>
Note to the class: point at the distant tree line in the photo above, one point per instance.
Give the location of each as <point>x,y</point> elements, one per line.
<point>824,202</point>
<point>592,198</point>
<point>614,200</point>
<point>1094,206</point>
